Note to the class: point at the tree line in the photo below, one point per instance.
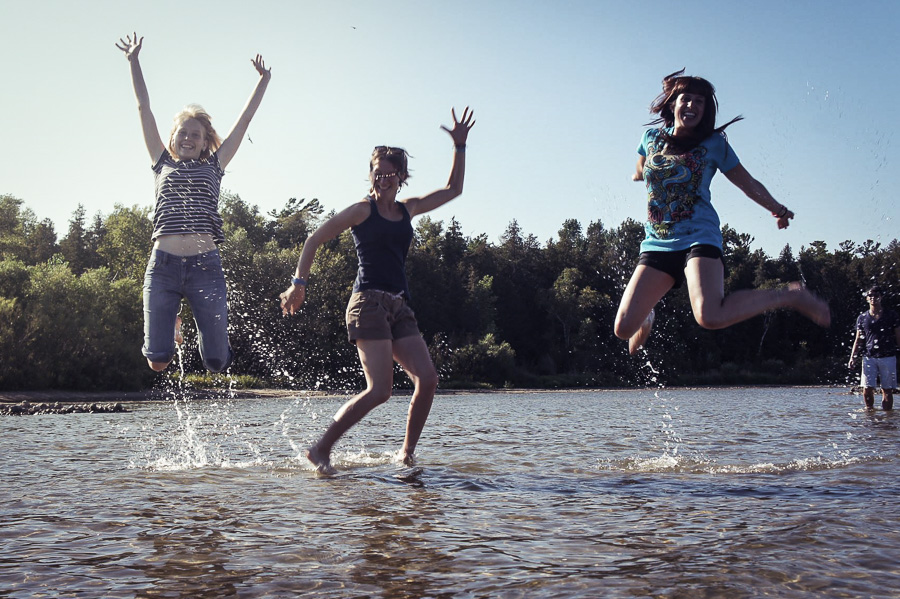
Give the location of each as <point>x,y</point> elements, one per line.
<point>515,313</point>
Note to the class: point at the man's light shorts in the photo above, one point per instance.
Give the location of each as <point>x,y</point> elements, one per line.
<point>880,369</point>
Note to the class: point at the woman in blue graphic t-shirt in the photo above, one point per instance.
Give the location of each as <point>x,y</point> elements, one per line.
<point>187,227</point>
<point>379,319</point>
<point>683,241</point>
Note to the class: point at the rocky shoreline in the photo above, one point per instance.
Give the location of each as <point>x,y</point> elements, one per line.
<point>55,395</point>
<point>26,408</point>
<point>26,403</point>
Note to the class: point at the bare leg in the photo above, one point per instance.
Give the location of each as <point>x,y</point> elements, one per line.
<point>714,310</point>
<point>378,366</point>
<point>179,338</point>
<point>637,341</point>
<point>412,354</point>
<point>869,397</point>
<point>887,399</point>
<point>635,317</point>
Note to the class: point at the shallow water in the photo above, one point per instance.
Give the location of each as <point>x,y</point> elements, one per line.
<point>674,493</point>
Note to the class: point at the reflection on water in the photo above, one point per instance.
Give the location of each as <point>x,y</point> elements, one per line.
<point>674,493</point>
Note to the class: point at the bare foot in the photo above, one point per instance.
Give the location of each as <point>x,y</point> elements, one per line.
<point>407,459</point>
<point>321,460</point>
<point>809,304</point>
<point>179,338</point>
<point>638,340</point>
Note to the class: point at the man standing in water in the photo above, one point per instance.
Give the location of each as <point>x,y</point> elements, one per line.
<point>880,330</point>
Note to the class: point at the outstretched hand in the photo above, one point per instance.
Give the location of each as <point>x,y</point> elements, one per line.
<point>131,45</point>
<point>260,66</point>
<point>460,130</point>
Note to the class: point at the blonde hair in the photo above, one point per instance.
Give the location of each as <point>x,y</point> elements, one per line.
<point>196,112</point>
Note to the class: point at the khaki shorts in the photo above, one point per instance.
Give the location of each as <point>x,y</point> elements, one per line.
<point>373,314</point>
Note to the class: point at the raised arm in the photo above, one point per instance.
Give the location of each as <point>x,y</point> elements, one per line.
<point>459,133</point>
<point>755,190</point>
<point>293,296</point>
<point>131,46</point>
<point>233,140</point>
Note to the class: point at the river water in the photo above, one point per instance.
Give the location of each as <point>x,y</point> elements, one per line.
<point>781,492</point>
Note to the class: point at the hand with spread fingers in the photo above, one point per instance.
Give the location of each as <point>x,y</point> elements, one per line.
<point>130,45</point>
<point>460,130</point>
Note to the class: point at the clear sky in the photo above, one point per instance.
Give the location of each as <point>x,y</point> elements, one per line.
<point>560,91</point>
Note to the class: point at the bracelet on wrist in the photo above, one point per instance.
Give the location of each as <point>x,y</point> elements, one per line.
<point>780,213</point>
<point>298,281</point>
<point>460,147</point>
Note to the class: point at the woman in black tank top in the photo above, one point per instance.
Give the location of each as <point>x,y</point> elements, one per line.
<point>379,320</point>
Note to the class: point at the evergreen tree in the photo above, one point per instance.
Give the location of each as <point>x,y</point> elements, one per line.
<point>74,246</point>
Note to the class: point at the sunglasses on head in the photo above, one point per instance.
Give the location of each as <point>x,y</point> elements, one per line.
<point>387,150</point>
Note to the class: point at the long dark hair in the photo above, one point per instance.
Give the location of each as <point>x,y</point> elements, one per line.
<point>674,85</point>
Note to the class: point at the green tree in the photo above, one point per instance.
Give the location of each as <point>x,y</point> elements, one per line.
<point>290,226</point>
<point>78,246</point>
<point>571,304</point>
<point>74,332</point>
<point>12,238</point>
<point>518,282</point>
<point>22,236</point>
<point>238,215</point>
<point>125,247</point>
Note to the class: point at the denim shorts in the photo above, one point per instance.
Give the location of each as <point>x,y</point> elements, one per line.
<point>879,370</point>
<point>674,263</point>
<point>374,314</point>
<point>201,281</point>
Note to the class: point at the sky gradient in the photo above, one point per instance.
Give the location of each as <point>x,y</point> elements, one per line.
<point>560,92</point>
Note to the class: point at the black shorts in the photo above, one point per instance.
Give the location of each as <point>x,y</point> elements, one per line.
<point>674,263</point>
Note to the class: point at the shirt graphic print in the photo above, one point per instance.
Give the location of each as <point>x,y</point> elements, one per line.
<point>672,185</point>
<point>680,213</point>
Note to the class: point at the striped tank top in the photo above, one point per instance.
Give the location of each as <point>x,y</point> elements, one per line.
<point>187,197</point>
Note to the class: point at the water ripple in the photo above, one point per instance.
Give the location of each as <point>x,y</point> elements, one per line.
<point>700,493</point>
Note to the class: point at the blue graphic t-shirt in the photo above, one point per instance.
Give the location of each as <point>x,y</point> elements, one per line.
<point>679,209</point>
